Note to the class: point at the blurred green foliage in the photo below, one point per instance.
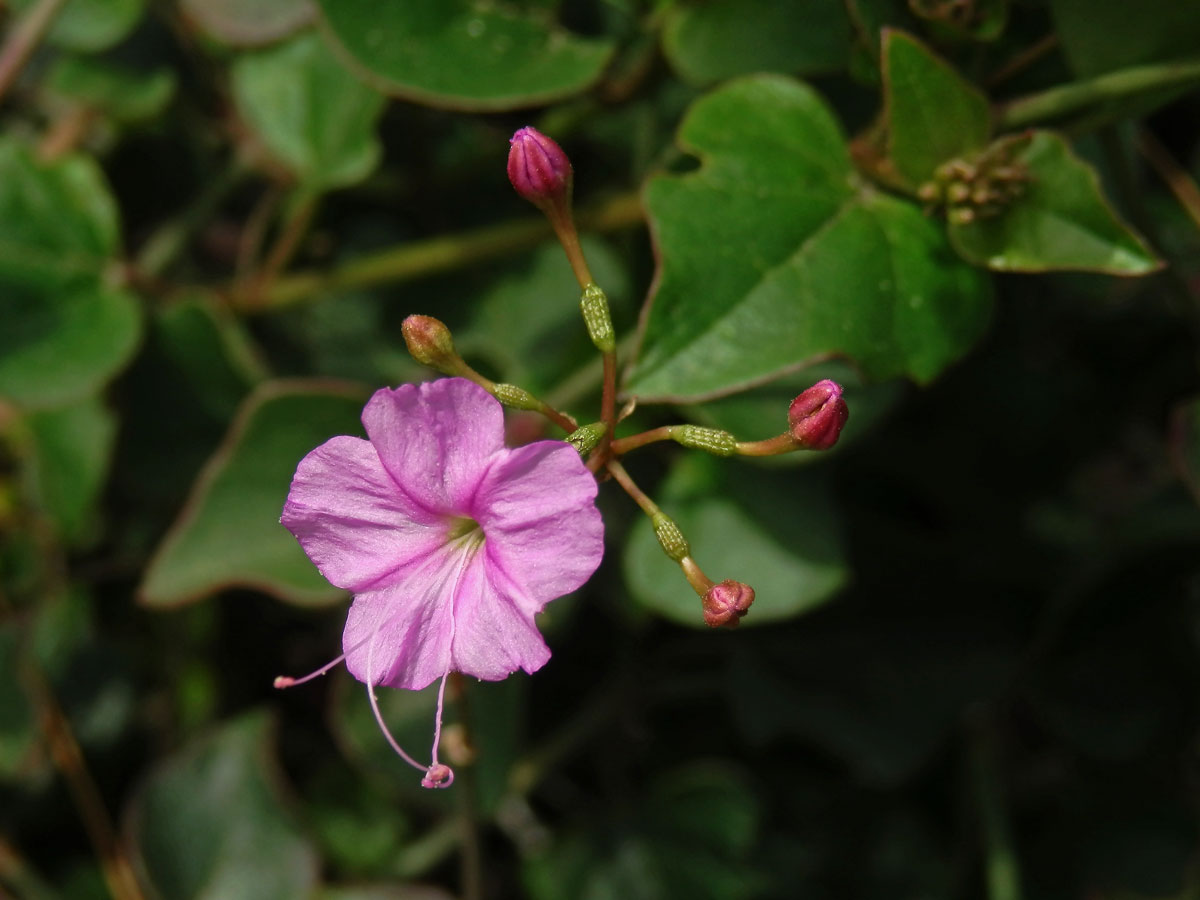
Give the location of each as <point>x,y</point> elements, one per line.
<point>972,667</point>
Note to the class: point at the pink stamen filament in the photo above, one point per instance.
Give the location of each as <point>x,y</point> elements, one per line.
<point>379,716</point>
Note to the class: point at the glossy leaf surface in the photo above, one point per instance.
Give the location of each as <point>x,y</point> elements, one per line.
<point>777,532</point>
<point>933,115</point>
<point>1062,221</point>
<point>229,532</point>
<point>414,49</point>
<point>310,112</point>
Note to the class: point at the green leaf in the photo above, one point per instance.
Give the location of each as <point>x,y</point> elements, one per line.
<point>90,25</point>
<point>59,345</point>
<point>1101,37</point>
<point>1062,221</point>
<point>712,41</point>
<point>72,448</point>
<point>229,533</point>
<point>772,255</point>
<point>211,822</point>
<point>312,114</point>
<point>248,23</point>
<point>419,50</point>
<point>776,531</point>
<point>65,332</point>
<point>58,221</point>
<point>126,95</point>
<point>933,115</point>
<point>212,351</point>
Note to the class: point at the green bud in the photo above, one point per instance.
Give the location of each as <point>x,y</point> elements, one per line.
<point>586,437</point>
<point>710,440</point>
<point>430,344</point>
<point>594,305</point>
<point>673,542</point>
<point>515,397</point>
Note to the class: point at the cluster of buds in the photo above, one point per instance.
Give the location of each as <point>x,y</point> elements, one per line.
<point>541,173</point>
<point>978,189</point>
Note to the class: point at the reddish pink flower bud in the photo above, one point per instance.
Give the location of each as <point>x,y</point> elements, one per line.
<point>816,417</point>
<point>726,603</point>
<point>538,169</point>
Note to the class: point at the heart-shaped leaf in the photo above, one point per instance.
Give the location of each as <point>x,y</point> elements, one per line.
<point>776,531</point>
<point>90,25</point>
<point>773,254</point>
<point>125,95</point>
<point>1061,221</point>
<point>229,533</point>
<point>248,23</point>
<point>211,822</point>
<point>72,447</point>
<point>723,38</point>
<point>58,221</point>
<point>933,115</point>
<point>416,50</point>
<point>312,114</point>
<point>58,346</point>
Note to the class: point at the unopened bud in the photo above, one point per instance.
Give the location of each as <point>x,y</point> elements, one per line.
<point>430,344</point>
<point>516,397</point>
<point>726,603</point>
<point>673,542</point>
<point>538,169</point>
<point>816,417</point>
<point>593,303</point>
<point>585,438</point>
<point>710,440</point>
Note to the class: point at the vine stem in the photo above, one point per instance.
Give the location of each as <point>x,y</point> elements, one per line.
<point>23,39</point>
<point>68,758</point>
<point>429,257</point>
<point>295,227</point>
<point>634,441</point>
<point>1176,176</point>
<point>648,506</point>
<point>1065,99</point>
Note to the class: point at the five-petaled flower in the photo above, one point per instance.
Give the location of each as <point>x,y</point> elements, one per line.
<point>449,541</point>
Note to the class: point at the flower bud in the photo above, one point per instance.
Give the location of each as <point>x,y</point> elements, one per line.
<point>710,440</point>
<point>516,397</point>
<point>585,438</point>
<point>538,169</point>
<point>670,538</point>
<point>816,417</point>
<point>726,603</point>
<point>430,344</point>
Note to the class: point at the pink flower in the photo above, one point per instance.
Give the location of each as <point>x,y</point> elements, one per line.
<point>450,542</point>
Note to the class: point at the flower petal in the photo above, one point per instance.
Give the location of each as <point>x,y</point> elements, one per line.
<point>492,636</point>
<point>544,533</point>
<point>436,439</point>
<point>400,635</point>
<point>352,520</point>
